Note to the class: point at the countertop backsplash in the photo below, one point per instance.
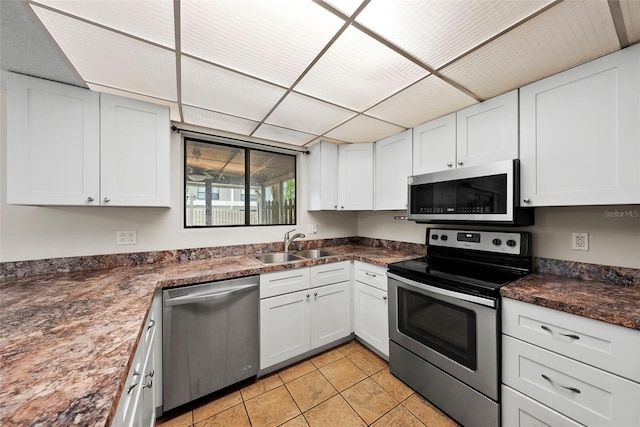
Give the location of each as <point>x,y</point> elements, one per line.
<point>620,276</point>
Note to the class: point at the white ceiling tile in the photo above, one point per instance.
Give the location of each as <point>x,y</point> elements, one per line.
<point>345,6</point>
<point>210,119</point>
<point>566,35</point>
<point>174,110</point>
<point>274,40</point>
<point>438,31</point>
<point>288,136</point>
<point>631,15</point>
<point>357,72</point>
<point>308,115</point>
<point>221,90</point>
<point>149,20</point>
<point>428,99</point>
<point>110,59</point>
<point>363,129</point>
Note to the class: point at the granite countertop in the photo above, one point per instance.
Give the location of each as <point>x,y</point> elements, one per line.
<point>68,338</point>
<point>619,305</point>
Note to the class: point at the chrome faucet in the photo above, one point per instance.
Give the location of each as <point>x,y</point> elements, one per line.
<point>288,240</point>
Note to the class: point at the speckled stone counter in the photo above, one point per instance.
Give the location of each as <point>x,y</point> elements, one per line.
<point>597,300</point>
<point>67,339</point>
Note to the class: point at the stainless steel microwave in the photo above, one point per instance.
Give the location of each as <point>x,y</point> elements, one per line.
<point>485,195</point>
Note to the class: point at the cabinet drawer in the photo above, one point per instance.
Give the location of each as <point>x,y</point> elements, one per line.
<point>283,282</point>
<point>583,393</point>
<point>327,274</point>
<point>370,274</point>
<point>519,410</point>
<point>603,345</point>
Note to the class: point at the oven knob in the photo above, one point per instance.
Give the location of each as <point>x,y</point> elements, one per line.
<point>497,242</point>
<point>511,243</point>
<point>444,237</point>
<point>434,237</point>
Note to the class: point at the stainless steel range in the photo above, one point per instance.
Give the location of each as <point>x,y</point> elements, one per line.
<point>444,319</point>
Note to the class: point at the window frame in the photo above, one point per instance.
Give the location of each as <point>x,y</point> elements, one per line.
<point>248,147</point>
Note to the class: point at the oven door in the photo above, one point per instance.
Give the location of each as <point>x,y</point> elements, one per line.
<point>454,331</point>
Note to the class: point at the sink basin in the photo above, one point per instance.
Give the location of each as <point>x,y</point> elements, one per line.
<point>276,257</point>
<point>313,253</point>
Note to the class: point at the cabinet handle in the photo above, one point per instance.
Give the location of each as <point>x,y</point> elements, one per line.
<point>307,296</point>
<point>525,200</point>
<point>107,200</point>
<point>449,164</point>
<point>89,199</point>
<point>460,163</point>
<point>384,297</point>
<point>152,323</point>
<point>132,386</point>
<point>370,274</point>
<point>573,389</point>
<point>315,294</point>
<point>335,206</point>
<point>572,336</point>
<point>148,385</point>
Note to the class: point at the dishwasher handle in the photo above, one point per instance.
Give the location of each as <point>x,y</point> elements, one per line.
<point>194,299</point>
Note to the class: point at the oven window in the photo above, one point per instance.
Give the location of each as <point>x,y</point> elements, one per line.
<point>448,329</point>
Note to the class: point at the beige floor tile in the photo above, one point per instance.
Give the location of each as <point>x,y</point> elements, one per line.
<point>182,420</point>
<point>216,406</point>
<point>295,371</point>
<point>398,417</point>
<point>427,413</point>
<point>396,388</point>
<point>298,421</point>
<point>342,374</point>
<point>350,347</point>
<point>369,400</point>
<point>262,385</point>
<point>327,357</point>
<point>310,390</point>
<point>368,361</point>
<point>333,412</point>
<point>235,416</point>
<point>272,408</point>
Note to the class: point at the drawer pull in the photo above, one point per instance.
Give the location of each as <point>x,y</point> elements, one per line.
<point>132,386</point>
<point>152,323</point>
<point>573,389</point>
<point>572,336</point>
<point>370,274</point>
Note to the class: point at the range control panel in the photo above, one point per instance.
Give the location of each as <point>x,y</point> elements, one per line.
<point>489,241</point>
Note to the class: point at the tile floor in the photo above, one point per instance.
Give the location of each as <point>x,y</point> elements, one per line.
<point>345,386</point>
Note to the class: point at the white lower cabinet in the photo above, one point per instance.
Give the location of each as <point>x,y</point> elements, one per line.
<point>557,365</point>
<point>137,405</point>
<point>370,306</point>
<point>296,322</point>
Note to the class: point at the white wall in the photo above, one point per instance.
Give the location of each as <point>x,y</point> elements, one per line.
<point>614,232</point>
<point>28,232</point>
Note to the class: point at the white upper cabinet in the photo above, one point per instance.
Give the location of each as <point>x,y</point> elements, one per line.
<point>71,146</point>
<point>488,132</point>
<point>392,167</point>
<point>434,145</point>
<point>134,152</point>
<point>340,177</point>
<point>53,143</point>
<point>580,134</point>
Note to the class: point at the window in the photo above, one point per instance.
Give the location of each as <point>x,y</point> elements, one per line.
<point>219,175</point>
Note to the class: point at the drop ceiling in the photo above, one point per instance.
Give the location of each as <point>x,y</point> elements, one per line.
<point>296,71</point>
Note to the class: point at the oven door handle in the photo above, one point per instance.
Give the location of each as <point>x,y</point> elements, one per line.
<point>488,302</point>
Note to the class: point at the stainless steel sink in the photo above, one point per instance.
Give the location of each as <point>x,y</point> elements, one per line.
<point>276,257</point>
<point>313,253</point>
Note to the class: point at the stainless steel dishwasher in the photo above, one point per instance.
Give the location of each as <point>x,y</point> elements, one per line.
<point>210,338</point>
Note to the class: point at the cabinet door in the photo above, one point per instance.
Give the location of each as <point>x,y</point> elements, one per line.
<point>520,411</point>
<point>53,143</point>
<point>284,327</point>
<point>579,134</point>
<point>322,176</point>
<point>371,316</point>
<point>434,145</point>
<point>134,152</point>
<point>393,166</point>
<point>330,313</point>
<point>488,132</point>
<point>355,177</point>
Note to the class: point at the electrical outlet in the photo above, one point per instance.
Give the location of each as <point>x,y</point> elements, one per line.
<point>312,228</point>
<point>580,241</point>
<point>126,237</point>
